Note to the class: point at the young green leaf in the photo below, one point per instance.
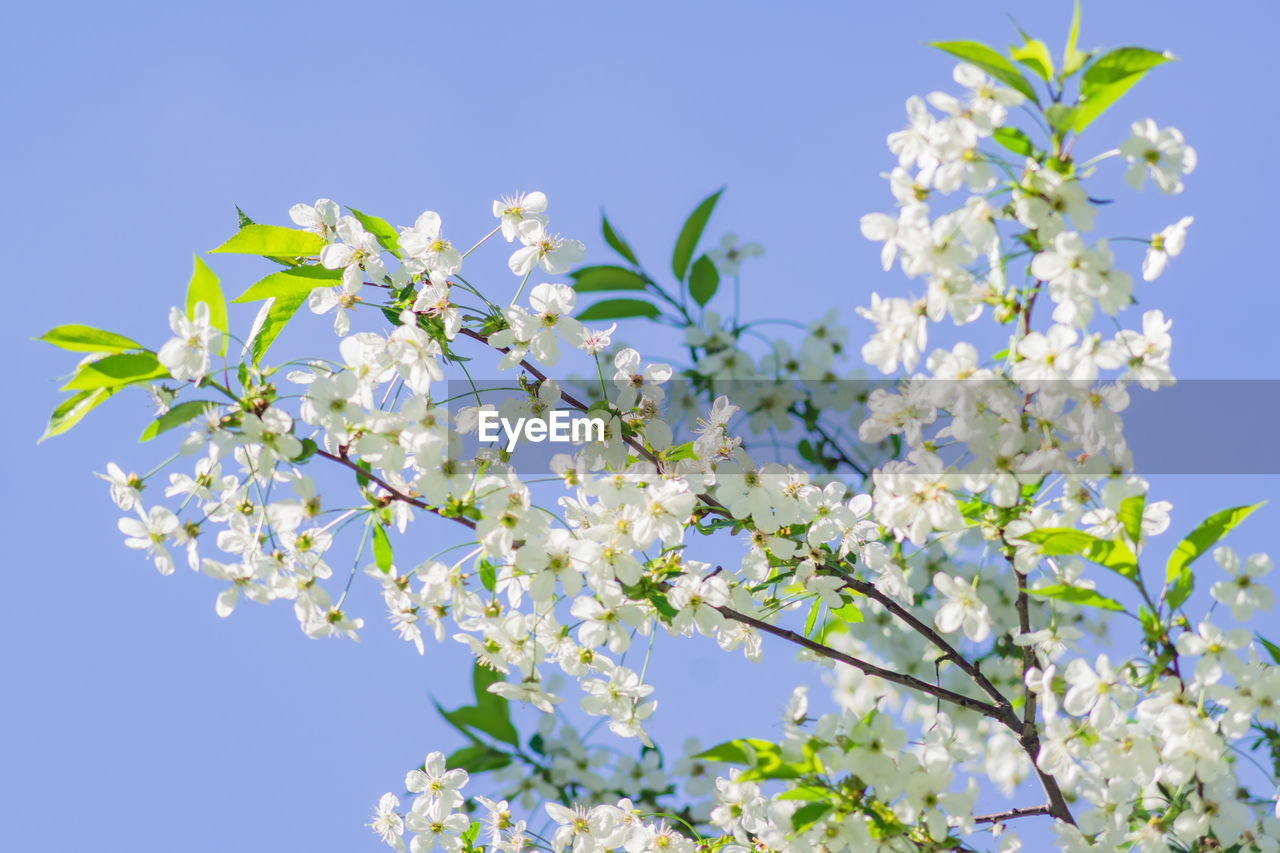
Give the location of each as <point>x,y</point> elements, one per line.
<point>1015,140</point>
<point>1272,648</point>
<point>381,549</point>
<point>989,61</point>
<point>606,277</point>
<point>1077,595</point>
<point>115,371</point>
<point>1065,541</point>
<point>273,240</point>
<point>704,280</point>
<point>77,338</point>
<point>616,309</point>
<point>290,282</point>
<point>691,233</point>
<point>1130,516</point>
<point>1109,77</point>
<point>848,613</point>
<point>1035,55</point>
<point>270,322</point>
<point>177,416</point>
<point>740,751</point>
<point>1072,59</point>
<point>71,410</point>
<point>809,814</point>
<point>1177,571</point>
<point>1061,117</point>
<point>381,230</point>
<point>812,618</point>
<point>203,287</point>
<point>615,241</point>
<point>1205,536</point>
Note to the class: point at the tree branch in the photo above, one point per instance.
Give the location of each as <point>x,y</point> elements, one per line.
<point>949,652</point>
<point>396,494</point>
<point>1001,817</point>
<point>984,708</point>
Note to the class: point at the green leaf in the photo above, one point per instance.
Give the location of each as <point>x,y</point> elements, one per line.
<point>812,618</point>
<point>273,240</point>
<point>380,229</point>
<point>271,320</point>
<point>606,277</point>
<point>1205,536</point>
<point>175,417</point>
<point>769,764</point>
<point>808,793</point>
<point>1061,117</point>
<point>1072,59</point>
<point>495,709</point>
<point>1065,541</point>
<point>115,371</point>
<point>309,448</point>
<point>848,613</point>
<point>290,282</point>
<point>481,678</point>
<point>491,716</point>
<point>989,61</point>
<point>203,287</point>
<point>1077,595</point>
<point>809,814</point>
<point>740,751</point>
<point>1130,515</point>
<point>614,309</point>
<point>77,338</point>
<point>487,720</point>
<point>71,410</point>
<point>242,218</point>
<point>704,280</point>
<point>1015,140</point>
<point>488,575</point>
<point>1177,571</point>
<point>381,549</point>
<point>614,239</point>
<point>1109,77</point>
<point>1035,55</point>
<point>477,759</point>
<point>1272,648</point>
<point>691,233</point>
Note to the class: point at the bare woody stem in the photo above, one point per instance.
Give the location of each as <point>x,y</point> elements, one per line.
<point>395,493</point>
<point>1001,817</point>
<point>984,708</point>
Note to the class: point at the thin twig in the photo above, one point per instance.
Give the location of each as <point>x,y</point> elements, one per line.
<point>984,708</point>
<point>1001,817</point>
<point>395,493</point>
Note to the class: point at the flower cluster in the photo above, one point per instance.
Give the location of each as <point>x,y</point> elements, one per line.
<point>945,547</point>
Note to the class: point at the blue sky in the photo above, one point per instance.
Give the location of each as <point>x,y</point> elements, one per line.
<point>133,716</point>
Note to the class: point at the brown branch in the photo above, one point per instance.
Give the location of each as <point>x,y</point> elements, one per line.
<point>1028,653</point>
<point>949,652</point>
<point>396,494</point>
<point>1028,736</point>
<point>1001,817</point>
<point>984,708</point>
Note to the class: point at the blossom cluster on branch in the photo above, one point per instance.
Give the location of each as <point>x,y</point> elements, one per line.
<point>953,547</point>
